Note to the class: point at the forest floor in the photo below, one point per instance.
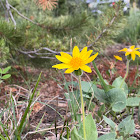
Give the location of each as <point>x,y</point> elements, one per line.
<point>51,92</point>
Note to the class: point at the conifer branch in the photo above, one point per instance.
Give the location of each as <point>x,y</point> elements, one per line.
<point>104,30</point>
<point>10,13</point>
<point>41,25</point>
<point>23,15</point>
<point>32,54</point>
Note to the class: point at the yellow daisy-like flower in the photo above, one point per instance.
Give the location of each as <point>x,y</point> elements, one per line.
<point>118,57</point>
<point>77,61</point>
<point>131,51</point>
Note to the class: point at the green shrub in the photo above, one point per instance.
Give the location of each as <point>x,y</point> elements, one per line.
<point>131,33</point>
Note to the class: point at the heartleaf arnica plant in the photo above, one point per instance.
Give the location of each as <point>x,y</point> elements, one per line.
<point>77,63</point>
<point>130,54</point>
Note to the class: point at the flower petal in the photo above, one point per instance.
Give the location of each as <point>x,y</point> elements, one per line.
<point>87,55</point>
<point>61,66</point>
<point>137,53</point>
<point>75,52</point>
<point>132,47</point>
<point>133,56</point>
<point>127,53</point>
<point>62,59</point>
<point>123,50</point>
<point>70,70</point>
<point>86,68</point>
<point>118,57</point>
<point>136,49</point>
<point>66,55</point>
<point>83,52</point>
<point>91,58</point>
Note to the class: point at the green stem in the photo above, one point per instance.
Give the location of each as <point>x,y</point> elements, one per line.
<point>82,105</point>
<point>127,70</point>
<point>104,85</point>
<point>139,114</point>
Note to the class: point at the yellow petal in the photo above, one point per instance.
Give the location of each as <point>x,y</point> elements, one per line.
<point>138,53</point>
<point>66,55</point>
<point>127,53</point>
<point>70,70</point>
<point>86,68</point>
<point>133,56</point>
<point>118,57</point>
<point>75,52</point>
<point>83,52</point>
<point>123,50</point>
<point>61,66</point>
<point>62,59</point>
<point>91,58</point>
<point>136,49</point>
<point>87,55</point>
<point>132,47</point>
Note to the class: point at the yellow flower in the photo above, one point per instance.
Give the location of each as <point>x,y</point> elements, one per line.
<point>78,60</point>
<point>118,57</point>
<point>131,51</point>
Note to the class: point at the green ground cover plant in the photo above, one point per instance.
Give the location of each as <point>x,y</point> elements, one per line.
<point>115,98</point>
<point>131,33</point>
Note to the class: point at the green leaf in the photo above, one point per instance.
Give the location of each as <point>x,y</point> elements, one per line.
<point>90,126</point>
<point>109,136</point>
<point>6,70</point>
<point>130,127</point>
<point>131,138</point>
<point>101,110</point>
<point>138,93</point>
<point>127,125</point>
<point>6,76</point>
<point>2,137</point>
<point>133,101</point>
<point>75,135</point>
<point>120,138</point>
<point>0,70</point>
<point>100,95</point>
<point>109,122</point>
<point>117,83</point>
<point>73,99</point>
<point>28,107</point>
<point>124,121</point>
<point>88,86</point>
<point>117,98</point>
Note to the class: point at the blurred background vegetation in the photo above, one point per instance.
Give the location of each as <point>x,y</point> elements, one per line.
<point>71,22</point>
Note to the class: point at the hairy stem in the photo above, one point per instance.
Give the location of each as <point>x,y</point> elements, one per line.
<point>82,106</point>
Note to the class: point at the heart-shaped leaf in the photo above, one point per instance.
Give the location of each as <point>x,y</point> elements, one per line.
<point>88,87</point>
<point>117,83</point>
<point>133,101</point>
<point>117,98</point>
<point>127,126</point>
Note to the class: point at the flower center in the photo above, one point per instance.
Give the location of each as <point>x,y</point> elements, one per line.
<point>130,50</point>
<point>76,63</point>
